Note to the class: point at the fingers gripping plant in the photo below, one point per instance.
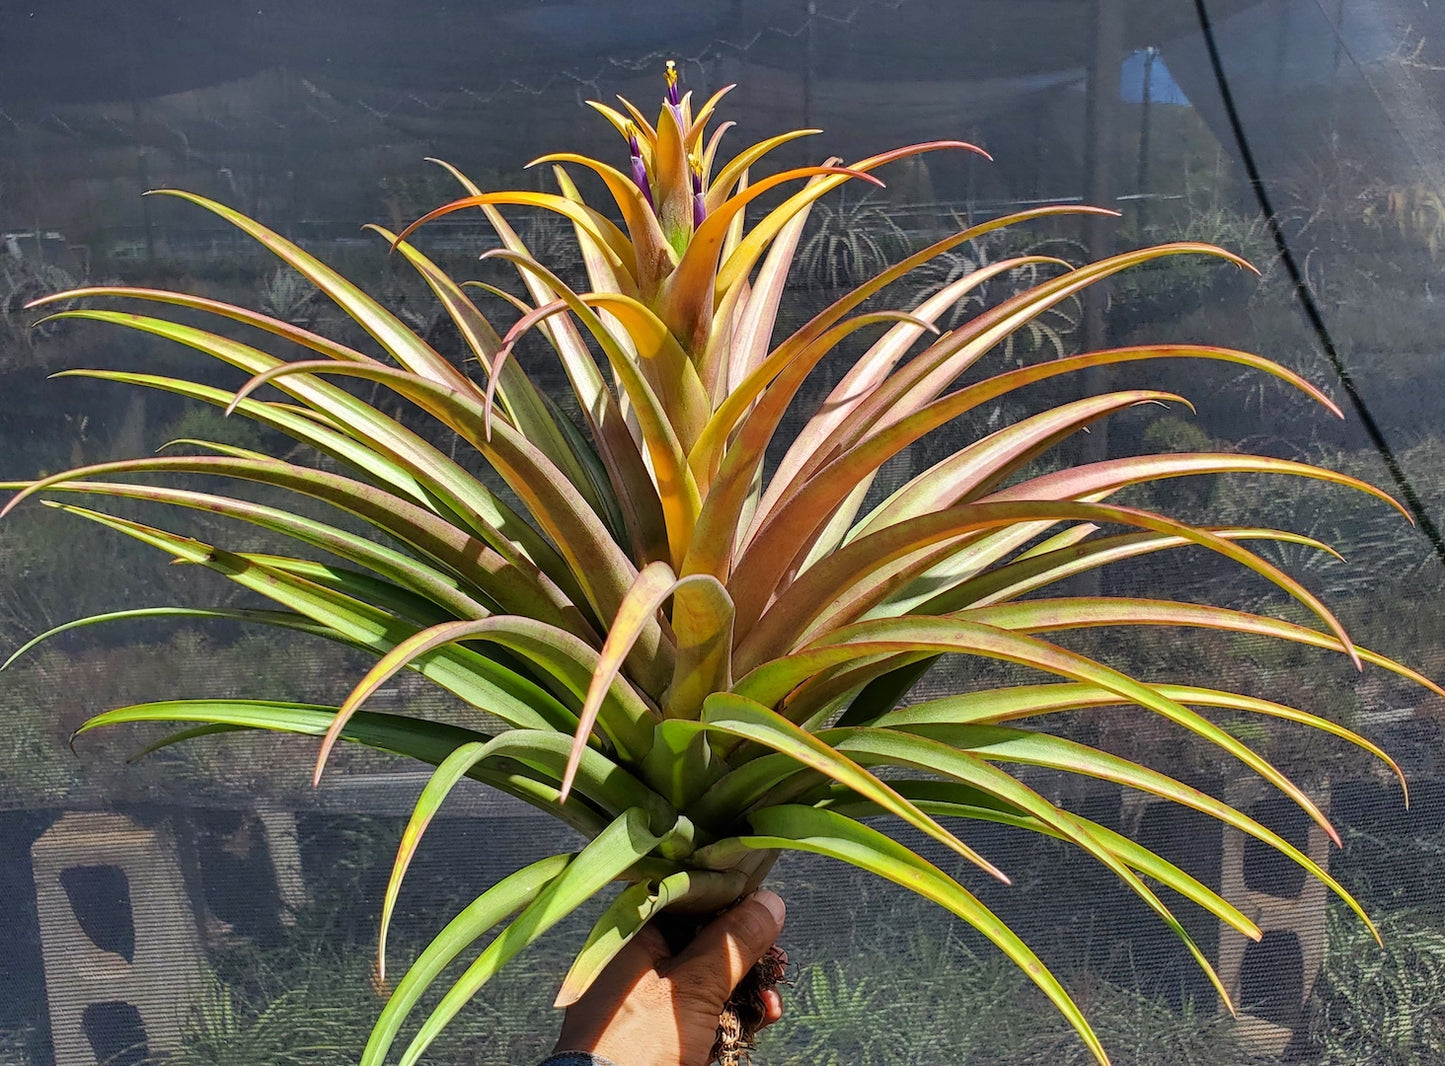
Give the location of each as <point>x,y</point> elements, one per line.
<point>696,666</point>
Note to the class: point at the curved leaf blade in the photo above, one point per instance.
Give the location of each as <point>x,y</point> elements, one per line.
<point>605,858</point>
<point>825,833</point>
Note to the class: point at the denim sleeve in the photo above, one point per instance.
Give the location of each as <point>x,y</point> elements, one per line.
<point>577,1058</point>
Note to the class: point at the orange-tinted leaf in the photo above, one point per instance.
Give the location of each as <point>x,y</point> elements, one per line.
<point>788,533</point>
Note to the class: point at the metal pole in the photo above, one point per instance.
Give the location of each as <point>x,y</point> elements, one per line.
<point>809,57</point>
<point>1101,109</point>
<point>142,154</point>
<point>1141,174</point>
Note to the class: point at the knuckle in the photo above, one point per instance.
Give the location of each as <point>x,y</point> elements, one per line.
<point>754,926</point>
<point>692,986</point>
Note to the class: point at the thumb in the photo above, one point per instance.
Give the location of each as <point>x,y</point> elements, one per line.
<point>721,955</point>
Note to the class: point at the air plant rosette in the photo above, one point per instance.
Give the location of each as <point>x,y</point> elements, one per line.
<point>696,663</point>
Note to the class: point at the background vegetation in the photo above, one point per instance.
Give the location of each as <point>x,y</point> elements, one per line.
<point>874,990</point>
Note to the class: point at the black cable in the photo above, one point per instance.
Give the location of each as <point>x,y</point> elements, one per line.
<point>1307,297</point>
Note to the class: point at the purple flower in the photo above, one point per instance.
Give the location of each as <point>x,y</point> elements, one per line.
<point>673,97</point>
<point>639,168</point>
<point>699,204</point>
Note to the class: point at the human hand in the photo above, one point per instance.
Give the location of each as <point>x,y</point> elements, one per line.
<point>652,1008</point>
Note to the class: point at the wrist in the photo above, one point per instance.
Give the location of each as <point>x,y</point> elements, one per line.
<point>576,1058</point>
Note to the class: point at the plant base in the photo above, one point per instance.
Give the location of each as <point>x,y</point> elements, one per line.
<point>743,1014</point>
<point>745,1011</point>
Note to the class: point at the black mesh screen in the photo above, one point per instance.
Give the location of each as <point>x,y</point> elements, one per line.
<point>205,905</point>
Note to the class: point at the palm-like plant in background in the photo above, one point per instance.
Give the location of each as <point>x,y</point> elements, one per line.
<point>693,663</point>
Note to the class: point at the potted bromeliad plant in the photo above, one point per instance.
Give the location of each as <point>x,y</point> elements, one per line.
<point>696,659</point>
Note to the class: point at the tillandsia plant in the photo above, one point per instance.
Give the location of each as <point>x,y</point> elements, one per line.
<point>695,663</point>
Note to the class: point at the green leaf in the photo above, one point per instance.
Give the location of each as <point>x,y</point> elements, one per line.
<point>312,428</point>
<point>441,589</point>
<point>600,779</point>
<point>623,518</point>
<point>997,706</point>
<point>517,586</point>
<point>825,833</point>
<point>633,908</point>
<point>652,587</point>
<point>623,919</point>
<point>526,407</point>
<point>603,785</point>
<point>607,857</point>
<point>885,691</point>
<point>947,799</point>
<point>931,636</point>
<point>285,330</point>
<point>448,772</point>
<point>429,742</point>
<point>484,514</point>
<point>626,717</point>
<point>473,677</point>
<point>739,717</point>
<point>284,619</point>
<point>681,764</point>
<point>388,330</point>
<point>1081,612</point>
<point>770,683</point>
<point>594,562</point>
<point>1042,749</point>
<point>934,757</point>
<point>482,914</point>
